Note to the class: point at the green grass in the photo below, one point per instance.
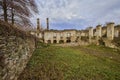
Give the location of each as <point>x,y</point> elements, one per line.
<point>72,63</point>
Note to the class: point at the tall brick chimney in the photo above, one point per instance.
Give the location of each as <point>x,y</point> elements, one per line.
<point>38,26</point>
<point>47,20</point>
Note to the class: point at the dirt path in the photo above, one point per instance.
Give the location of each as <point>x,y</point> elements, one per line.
<point>113,55</point>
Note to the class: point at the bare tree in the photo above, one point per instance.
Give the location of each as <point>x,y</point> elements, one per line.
<point>18,11</point>
<point>4,6</point>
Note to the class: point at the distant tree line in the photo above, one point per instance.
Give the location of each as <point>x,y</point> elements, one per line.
<point>17,11</point>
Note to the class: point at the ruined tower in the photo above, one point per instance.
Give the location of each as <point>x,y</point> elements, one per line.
<point>98,31</point>
<point>90,33</point>
<point>47,21</point>
<point>110,31</point>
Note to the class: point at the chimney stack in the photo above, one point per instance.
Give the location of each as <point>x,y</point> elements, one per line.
<point>47,20</point>
<point>38,25</point>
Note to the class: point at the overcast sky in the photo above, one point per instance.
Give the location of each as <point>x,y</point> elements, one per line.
<point>77,14</point>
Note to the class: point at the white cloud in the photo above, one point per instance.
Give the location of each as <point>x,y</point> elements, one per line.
<point>82,13</point>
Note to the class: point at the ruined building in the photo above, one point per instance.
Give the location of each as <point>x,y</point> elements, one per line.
<point>99,35</point>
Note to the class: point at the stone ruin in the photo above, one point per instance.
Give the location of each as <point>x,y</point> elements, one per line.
<point>101,35</point>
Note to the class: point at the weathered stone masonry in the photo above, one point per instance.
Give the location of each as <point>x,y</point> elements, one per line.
<point>15,52</point>
<point>100,35</point>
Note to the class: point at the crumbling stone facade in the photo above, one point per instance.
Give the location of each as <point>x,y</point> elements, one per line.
<point>104,34</point>
<point>59,36</point>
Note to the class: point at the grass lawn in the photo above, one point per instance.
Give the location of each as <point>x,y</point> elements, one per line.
<point>73,63</point>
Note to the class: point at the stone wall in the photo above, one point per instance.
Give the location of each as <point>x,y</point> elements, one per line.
<point>16,48</point>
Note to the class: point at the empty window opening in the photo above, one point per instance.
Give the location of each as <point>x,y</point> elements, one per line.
<point>61,41</point>
<point>68,41</point>
<point>54,41</point>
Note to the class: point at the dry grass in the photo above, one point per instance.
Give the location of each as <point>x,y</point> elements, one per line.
<point>72,63</point>
<point>7,29</point>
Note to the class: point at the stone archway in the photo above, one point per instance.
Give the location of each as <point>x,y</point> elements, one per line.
<point>68,41</point>
<point>61,41</point>
<point>54,41</point>
<point>49,41</point>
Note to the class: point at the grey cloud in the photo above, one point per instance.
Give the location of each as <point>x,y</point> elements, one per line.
<point>79,12</point>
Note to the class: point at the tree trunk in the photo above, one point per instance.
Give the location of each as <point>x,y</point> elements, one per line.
<point>5,10</point>
<point>12,12</point>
